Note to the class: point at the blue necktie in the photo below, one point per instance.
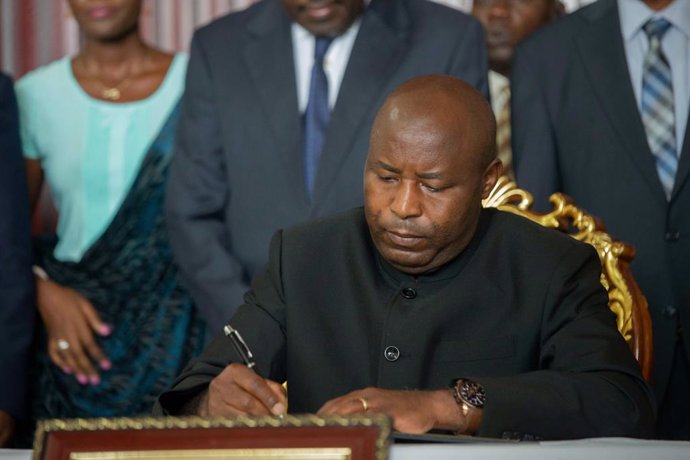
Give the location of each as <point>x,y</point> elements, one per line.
<point>317,114</point>
<point>658,114</point>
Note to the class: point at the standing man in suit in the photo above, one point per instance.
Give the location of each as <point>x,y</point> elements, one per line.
<point>600,112</point>
<point>16,279</point>
<point>506,23</point>
<point>278,105</point>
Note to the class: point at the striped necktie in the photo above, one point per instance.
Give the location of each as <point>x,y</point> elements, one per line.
<point>316,115</point>
<point>658,114</point>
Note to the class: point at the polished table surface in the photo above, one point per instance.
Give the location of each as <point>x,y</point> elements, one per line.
<point>589,449</point>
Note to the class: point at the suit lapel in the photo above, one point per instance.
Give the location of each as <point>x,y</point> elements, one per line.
<point>269,59</point>
<point>603,55</point>
<point>683,164</point>
<point>378,49</point>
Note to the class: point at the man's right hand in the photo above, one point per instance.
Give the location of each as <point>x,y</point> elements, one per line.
<point>239,390</point>
<point>70,322</point>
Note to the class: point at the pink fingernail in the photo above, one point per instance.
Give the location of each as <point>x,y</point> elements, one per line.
<point>105,329</point>
<point>82,379</point>
<point>95,380</point>
<point>67,370</point>
<point>278,409</point>
<point>106,365</point>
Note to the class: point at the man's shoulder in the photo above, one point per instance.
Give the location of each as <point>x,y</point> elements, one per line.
<point>344,231</point>
<point>236,22</point>
<point>531,238</point>
<point>558,35</point>
<point>6,91</point>
<point>436,10</point>
<point>424,18</point>
<point>5,79</point>
<point>439,17</point>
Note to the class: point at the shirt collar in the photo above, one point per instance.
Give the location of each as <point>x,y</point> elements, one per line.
<point>497,82</point>
<point>497,88</point>
<point>635,13</point>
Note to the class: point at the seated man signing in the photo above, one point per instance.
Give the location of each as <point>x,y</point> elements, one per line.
<point>427,307</point>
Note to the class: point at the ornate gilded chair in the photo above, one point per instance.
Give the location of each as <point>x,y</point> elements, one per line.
<point>625,298</point>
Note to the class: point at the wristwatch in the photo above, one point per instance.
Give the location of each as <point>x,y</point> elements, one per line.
<point>470,397</point>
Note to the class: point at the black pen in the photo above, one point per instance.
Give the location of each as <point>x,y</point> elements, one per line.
<point>240,346</point>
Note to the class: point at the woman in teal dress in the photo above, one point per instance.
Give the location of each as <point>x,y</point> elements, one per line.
<point>99,128</point>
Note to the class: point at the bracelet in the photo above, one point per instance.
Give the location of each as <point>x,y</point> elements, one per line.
<point>39,272</point>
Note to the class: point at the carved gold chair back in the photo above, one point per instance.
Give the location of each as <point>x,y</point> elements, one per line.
<point>625,298</point>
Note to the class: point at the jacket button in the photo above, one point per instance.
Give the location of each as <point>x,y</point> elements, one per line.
<point>672,236</point>
<point>669,310</point>
<point>409,293</point>
<point>391,354</point>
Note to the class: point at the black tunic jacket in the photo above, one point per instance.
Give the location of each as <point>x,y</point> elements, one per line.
<point>521,310</point>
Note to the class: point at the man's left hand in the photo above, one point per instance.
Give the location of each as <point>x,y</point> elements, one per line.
<point>412,411</point>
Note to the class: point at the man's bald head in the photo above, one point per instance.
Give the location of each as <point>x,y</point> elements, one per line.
<point>432,159</point>
<point>451,106</point>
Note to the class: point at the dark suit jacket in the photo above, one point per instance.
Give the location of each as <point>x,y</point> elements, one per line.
<point>237,172</point>
<point>16,279</point>
<point>521,310</point>
<point>577,129</point>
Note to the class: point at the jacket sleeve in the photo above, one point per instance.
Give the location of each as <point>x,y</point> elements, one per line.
<point>588,383</point>
<point>532,131</point>
<point>197,194</point>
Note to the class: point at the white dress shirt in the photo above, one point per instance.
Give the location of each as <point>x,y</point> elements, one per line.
<point>334,63</point>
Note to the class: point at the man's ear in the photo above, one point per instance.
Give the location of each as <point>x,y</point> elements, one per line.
<point>491,175</point>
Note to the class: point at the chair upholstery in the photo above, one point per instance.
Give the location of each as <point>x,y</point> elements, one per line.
<point>625,298</point>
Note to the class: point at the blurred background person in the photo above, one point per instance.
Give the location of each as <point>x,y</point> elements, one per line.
<point>16,280</point>
<point>275,124</point>
<point>600,113</point>
<point>99,128</point>
<point>38,32</point>
<point>31,36</point>
<point>506,23</point>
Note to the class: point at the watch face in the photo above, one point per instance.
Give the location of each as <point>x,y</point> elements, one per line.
<point>472,393</point>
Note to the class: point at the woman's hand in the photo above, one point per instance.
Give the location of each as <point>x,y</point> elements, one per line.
<point>70,322</point>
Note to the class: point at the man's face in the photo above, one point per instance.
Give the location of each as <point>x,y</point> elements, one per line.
<point>324,18</point>
<point>106,20</point>
<point>423,192</point>
<point>506,22</point>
